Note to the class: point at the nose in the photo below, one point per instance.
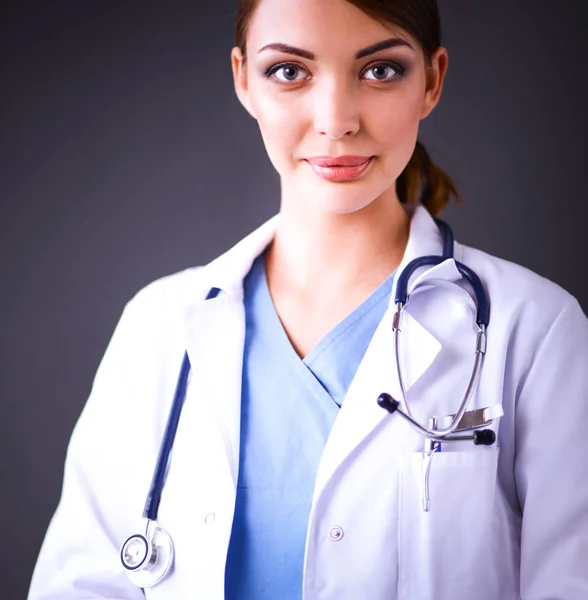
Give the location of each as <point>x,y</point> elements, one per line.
<point>336,110</point>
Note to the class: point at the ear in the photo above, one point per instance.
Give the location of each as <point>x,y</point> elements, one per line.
<point>240,79</point>
<point>435,75</point>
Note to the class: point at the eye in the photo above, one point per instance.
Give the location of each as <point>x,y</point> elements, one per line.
<point>285,72</point>
<point>384,71</point>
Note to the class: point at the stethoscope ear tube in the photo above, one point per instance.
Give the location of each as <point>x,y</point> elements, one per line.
<point>401,295</point>
<point>448,240</point>
<point>424,261</point>
<point>482,302</point>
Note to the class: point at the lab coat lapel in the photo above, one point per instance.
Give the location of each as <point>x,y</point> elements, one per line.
<point>215,335</point>
<point>360,416</point>
<point>215,338</point>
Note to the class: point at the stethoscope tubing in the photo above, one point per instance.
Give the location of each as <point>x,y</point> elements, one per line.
<point>154,496</point>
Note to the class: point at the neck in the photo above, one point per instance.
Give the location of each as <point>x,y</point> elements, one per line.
<point>326,255</point>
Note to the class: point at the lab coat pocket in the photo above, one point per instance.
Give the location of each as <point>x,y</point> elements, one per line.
<point>444,552</point>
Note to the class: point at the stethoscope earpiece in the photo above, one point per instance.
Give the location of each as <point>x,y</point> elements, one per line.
<point>388,403</point>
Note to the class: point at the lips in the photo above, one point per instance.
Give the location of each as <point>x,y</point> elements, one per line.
<point>338,161</point>
<point>339,168</point>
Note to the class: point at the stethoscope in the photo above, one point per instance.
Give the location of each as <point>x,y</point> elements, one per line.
<point>463,419</point>
<point>148,558</point>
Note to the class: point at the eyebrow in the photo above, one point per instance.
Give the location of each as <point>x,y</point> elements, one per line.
<point>391,43</point>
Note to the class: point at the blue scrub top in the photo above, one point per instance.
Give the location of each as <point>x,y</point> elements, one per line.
<point>288,407</point>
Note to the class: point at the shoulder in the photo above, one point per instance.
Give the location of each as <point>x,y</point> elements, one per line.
<point>190,286</point>
<point>537,333</point>
<point>512,286</point>
<point>528,312</point>
<point>149,339</point>
<point>168,294</point>
<point>154,318</point>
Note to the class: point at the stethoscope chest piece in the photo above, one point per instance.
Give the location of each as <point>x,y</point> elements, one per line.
<point>148,559</point>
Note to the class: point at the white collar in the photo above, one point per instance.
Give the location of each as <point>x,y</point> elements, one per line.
<point>228,270</point>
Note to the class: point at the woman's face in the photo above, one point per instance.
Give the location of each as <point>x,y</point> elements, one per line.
<point>323,79</point>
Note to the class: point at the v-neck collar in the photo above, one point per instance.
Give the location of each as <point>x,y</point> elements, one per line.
<point>368,304</point>
<point>279,338</point>
<point>323,379</point>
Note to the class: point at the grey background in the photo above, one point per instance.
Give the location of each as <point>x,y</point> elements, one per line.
<point>125,156</point>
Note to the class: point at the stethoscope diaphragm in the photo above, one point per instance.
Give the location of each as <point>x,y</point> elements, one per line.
<point>148,559</point>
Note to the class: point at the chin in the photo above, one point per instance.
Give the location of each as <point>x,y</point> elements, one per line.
<point>340,198</point>
<point>340,202</point>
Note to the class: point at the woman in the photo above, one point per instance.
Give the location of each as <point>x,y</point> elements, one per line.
<point>287,479</point>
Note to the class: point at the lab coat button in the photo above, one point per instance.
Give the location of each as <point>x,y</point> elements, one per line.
<point>336,533</point>
<point>209,518</point>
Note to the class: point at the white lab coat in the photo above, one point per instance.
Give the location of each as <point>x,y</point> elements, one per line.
<point>506,522</point>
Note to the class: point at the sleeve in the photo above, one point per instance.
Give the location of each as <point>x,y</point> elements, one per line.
<point>79,558</point>
<point>551,467</point>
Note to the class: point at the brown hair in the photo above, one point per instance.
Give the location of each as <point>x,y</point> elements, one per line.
<point>422,180</point>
